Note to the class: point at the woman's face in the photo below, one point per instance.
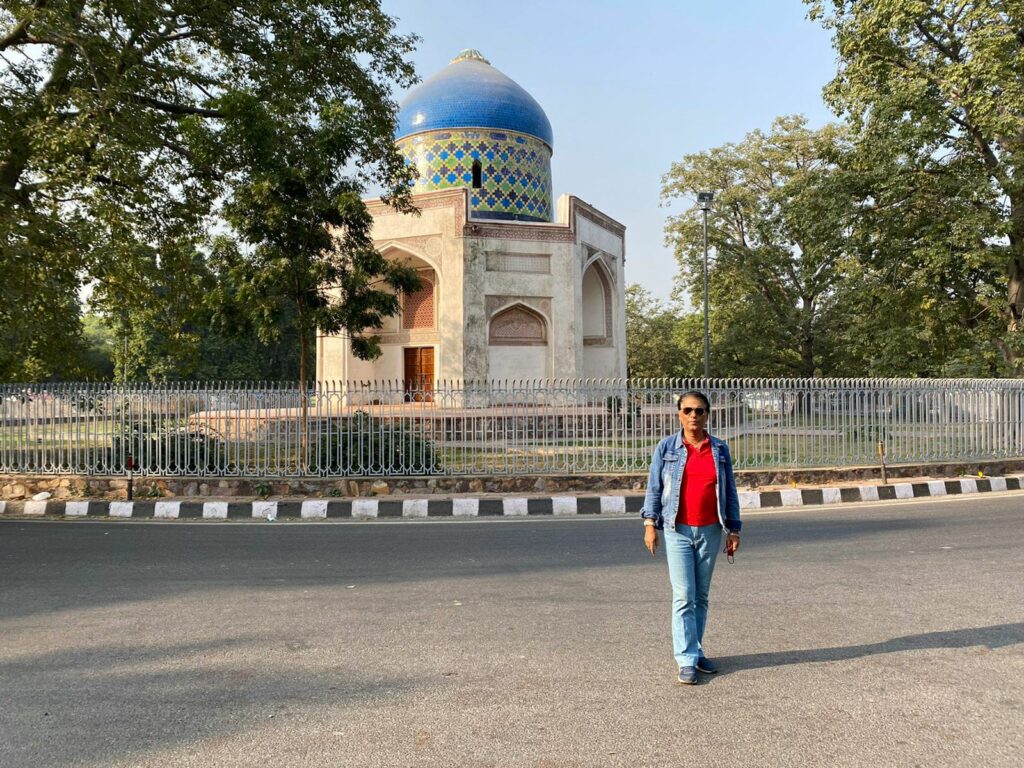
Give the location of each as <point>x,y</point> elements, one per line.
<point>693,414</point>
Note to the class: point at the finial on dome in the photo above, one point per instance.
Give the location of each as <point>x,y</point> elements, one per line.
<point>470,54</point>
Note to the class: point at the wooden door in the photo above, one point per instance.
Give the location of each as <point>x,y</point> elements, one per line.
<point>419,373</point>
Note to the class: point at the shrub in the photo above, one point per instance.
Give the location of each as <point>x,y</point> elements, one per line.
<point>156,445</point>
<point>362,445</point>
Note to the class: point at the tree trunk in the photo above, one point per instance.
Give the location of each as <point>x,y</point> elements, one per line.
<point>807,339</point>
<point>1015,279</point>
<point>807,356</point>
<point>303,400</point>
<point>1015,289</point>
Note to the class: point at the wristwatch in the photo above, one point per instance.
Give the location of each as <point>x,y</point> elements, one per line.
<point>649,523</point>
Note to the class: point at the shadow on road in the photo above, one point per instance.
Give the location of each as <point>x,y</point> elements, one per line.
<point>47,567</point>
<point>109,701</point>
<point>994,636</point>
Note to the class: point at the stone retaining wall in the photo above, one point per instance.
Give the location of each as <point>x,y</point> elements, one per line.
<point>15,487</point>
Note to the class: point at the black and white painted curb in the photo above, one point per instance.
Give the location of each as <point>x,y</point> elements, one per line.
<point>799,497</point>
<point>323,509</point>
<point>511,506</point>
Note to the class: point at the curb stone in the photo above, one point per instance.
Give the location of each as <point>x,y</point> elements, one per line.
<point>507,506</point>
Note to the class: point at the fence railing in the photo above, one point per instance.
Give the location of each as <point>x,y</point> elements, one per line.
<point>494,428</point>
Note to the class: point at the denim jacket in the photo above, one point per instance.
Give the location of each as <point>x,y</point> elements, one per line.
<point>663,485</point>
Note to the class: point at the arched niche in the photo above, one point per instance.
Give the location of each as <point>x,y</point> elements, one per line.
<point>517,326</point>
<point>596,303</point>
<point>517,339</point>
<point>418,311</point>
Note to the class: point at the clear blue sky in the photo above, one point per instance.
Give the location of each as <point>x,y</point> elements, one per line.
<point>632,85</point>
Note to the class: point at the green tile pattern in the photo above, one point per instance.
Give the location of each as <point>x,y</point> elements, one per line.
<point>515,170</point>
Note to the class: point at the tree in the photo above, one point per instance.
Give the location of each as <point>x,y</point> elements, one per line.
<point>98,356</point>
<point>657,339</point>
<point>778,231</point>
<point>107,110</point>
<point>299,211</point>
<point>155,302</point>
<point>293,204</point>
<point>948,79</point>
<point>926,290</point>
<point>40,329</point>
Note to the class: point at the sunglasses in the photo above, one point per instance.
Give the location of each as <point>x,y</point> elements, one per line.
<point>687,410</point>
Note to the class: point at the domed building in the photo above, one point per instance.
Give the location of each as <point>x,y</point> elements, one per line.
<point>515,285</point>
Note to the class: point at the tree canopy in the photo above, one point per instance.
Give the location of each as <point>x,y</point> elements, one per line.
<point>777,229</point>
<point>940,85</point>
<point>291,202</point>
<point>833,256</point>
<point>113,120</point>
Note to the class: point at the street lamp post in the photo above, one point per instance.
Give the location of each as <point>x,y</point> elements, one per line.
<point>704,199</point>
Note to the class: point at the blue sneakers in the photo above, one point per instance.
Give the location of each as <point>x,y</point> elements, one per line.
<point>706,666</point>
<point>687,675</point>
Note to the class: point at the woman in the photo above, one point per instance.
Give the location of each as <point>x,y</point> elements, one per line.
<point>691,494</point>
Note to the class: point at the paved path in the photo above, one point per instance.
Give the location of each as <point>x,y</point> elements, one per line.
<point>881,635</point>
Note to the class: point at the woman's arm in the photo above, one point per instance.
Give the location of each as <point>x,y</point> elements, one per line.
<point>652,499</point>
<point>732,496</point>
<point>651,511</point>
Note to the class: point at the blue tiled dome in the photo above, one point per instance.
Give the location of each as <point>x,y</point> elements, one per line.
<point>470,93</point>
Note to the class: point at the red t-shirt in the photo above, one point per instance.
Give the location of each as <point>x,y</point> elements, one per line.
<point>697,502</point>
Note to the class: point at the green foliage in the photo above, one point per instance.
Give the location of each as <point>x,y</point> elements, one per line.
<point>365,445</point>
<point>39,314</point>
<point>185,321</point>
<point>243,357</point>
<point>115,121</point>
<point>777,230</point>
<point>660,339</point>
<point>220,353</point>
<point>100,345</point>
<point>157,444</point>
<point>156,308</point>
<point>306,225</point>
<point>936,91</point>
<point>840,255</point>
<point>928,289</point>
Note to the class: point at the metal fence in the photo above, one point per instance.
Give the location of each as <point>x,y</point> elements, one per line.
<point>496,428</point>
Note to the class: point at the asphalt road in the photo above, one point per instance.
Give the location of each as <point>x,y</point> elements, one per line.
<point>881,635</point>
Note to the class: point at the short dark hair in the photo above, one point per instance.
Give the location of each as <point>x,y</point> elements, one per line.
<point>693,393</point>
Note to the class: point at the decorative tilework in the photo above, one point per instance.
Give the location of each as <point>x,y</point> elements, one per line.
<point>515,170</point>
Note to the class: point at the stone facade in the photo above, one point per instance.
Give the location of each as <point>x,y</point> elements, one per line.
<point>561,283</point>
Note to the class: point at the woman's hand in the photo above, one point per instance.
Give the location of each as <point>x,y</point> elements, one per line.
<point>732,543</point>
<point>651,538</point>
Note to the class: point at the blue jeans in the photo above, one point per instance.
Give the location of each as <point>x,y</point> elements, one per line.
<point>691,552</point>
